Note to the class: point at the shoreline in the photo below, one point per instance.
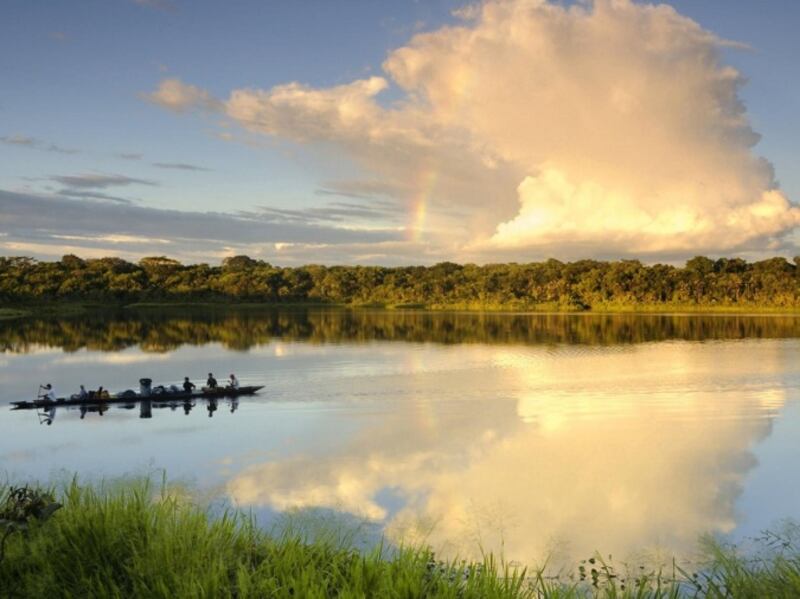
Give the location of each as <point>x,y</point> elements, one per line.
<point>69,309</point>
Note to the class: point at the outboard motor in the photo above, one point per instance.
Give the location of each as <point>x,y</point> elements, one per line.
<point>144,387</point>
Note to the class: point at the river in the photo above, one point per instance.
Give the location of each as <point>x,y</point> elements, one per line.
<point>528,434</point>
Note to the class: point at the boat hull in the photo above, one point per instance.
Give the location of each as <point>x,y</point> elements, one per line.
<point>218,393</point>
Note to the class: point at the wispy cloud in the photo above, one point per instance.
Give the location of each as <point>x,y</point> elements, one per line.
<point>365,189</point>
<point>180,166</point>
<point>114,239</point>
<point>336,212</point>
<point>93,195</point>
<point>19,140</point>
<point>129,155</point>
<point>165,5</point>
<point>44,224</point>
<point>33,143</point>
<point>99,181</point>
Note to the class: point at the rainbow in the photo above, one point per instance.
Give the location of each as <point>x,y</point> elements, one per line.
<point>418,212</point>
<point>461,85</point>
<point>423,411</point>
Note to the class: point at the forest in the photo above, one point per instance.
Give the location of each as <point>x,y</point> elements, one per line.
<point>552,284</point>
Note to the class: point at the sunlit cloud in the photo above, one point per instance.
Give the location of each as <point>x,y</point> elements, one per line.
<point>557,129</point>
<point>177,96</point>
<point>114,239</point>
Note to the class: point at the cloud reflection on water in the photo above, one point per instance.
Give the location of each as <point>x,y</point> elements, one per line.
<point>120,358</point>
<point>577,455</point>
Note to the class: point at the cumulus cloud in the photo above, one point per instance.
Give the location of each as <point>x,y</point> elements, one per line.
<point>177,96</point>
<point>301,113</point>
<point>608,125</point>
<point>553,209</point>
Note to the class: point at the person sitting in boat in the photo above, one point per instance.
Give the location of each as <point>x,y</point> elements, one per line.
<point>233,382</point>
<point>211,383</point>
<point>101,393</point>
<point>188,386</point>
<point>80,395</point>
<point>49,393</point>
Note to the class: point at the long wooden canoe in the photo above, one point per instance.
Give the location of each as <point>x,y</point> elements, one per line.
<point>219,392</point>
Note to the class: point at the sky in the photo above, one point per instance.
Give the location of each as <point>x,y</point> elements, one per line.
<point>399,132</point>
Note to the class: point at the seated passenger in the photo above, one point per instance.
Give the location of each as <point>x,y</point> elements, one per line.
<point>83,393</point>
<point>188,386</point>
<point>211,383</point>
<point>233,382</point>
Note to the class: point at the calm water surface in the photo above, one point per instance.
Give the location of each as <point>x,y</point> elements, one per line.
<point>534,434</point>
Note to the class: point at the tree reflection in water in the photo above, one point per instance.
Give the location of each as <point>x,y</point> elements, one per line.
<point>167,329</point>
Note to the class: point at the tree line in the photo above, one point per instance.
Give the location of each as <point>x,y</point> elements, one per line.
<point>580,285</point>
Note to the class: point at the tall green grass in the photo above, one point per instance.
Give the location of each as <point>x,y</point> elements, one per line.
<point>141,540</point>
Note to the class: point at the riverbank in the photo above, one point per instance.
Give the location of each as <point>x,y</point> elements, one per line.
<point>136,539</point>
<point>71,309</point>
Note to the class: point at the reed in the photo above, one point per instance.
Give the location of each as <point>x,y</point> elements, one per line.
<point>139,539</point>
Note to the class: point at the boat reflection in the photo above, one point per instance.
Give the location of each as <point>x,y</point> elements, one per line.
<point>146,407</point>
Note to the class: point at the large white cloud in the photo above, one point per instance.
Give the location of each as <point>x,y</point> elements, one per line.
<point>614,124</point>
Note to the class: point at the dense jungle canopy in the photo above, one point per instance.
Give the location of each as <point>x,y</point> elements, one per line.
<point>584,284</point>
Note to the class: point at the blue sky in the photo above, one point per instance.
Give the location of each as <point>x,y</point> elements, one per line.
<point>78,70</point>
<point>74,104</point>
